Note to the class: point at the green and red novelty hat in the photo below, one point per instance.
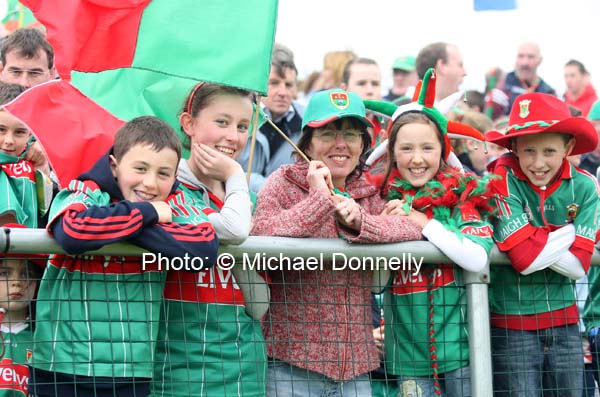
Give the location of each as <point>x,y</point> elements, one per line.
<point>537,113</point>
<point>423,102</point>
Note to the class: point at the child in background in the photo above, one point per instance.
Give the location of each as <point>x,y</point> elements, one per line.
<point>210,343</point>
<point>426,341</point>
<point>25,174</point>
<point>97,317</point>
<point>473,155</point>
<point>18,284</point>
<point>547,213</point>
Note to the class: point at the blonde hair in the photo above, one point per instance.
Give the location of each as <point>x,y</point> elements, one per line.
<point>336,61</point>
<point>473,118</point>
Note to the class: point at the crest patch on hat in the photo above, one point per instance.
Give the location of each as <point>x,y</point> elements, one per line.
<point>524,108</point>
<point>339,99</point>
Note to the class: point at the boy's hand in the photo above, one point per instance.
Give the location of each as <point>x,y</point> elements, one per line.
<point>37,156</point>
<point>214,164</point>
<point>165,214</point>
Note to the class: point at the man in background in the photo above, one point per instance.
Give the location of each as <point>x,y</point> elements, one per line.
<point>525,77</point>
<point>448,63</point>
<point>580,92</point>
<point>272,150</point>
<point>404,77</point>
<point>27,58</point>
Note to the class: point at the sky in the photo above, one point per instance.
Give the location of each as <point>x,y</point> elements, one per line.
<point>386,29</point>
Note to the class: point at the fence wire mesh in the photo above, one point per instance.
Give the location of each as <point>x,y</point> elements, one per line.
<point>105,325</point>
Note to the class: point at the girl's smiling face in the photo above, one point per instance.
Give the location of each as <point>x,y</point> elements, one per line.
<point>418,152</point>
<point>223,124</point>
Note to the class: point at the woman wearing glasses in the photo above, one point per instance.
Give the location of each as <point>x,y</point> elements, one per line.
<point>318,328</point>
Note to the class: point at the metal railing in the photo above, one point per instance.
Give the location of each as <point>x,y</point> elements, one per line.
<point>28,241</point>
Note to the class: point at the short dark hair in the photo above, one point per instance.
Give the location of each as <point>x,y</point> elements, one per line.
<point>429,55</point>
<point>202,95</point>
<point>579,65</point>
<point>9,91</point>
<point>146,130</point>
<point>27,42</point>
<point>282,58</point>
<point>474,98</point>
<point>360,61</point>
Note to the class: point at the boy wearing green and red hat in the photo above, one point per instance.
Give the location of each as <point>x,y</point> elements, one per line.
<point>546,224</point>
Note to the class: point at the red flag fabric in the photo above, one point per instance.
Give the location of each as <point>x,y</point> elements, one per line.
<point>74,130</point>
<point>84,32</point>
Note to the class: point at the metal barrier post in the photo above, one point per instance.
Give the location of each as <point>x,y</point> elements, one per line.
<point>479,332</point>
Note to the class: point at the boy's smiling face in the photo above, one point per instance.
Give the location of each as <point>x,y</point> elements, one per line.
<point>13,134</point>
<point>144,174</point>
<point>541,155</point>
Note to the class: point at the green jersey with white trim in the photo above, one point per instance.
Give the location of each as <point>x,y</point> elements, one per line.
<point>208,344</point>
<point>406,312</point>
<point>17,349</point>
<point>99,315</point>
<point>22,190</point>
<point>522,210</point>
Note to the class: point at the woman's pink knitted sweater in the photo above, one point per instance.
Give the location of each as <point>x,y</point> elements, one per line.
<point>321,320</point>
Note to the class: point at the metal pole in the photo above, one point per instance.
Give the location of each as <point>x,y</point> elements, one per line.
<point>479,333</point>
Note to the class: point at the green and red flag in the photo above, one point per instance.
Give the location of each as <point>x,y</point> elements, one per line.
<point>72,128</point>
<point>227,42</point>
<point>18,16</point>
<point>142,57</point>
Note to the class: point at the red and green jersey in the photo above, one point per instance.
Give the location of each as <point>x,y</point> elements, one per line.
<point>97,315</point>
<point>527,213</point>
<point>22,190</point>
<point>407,312</point>
<point>207,344</point>
<point>17,352</point>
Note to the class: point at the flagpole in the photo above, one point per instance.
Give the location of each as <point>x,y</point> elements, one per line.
<point>304,156</point>
<point>253,142</point>
<point>289,141</point>
<point>254,132</point>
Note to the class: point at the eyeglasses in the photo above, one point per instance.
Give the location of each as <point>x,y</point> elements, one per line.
<point>32,74</point>
<point>330,136</point>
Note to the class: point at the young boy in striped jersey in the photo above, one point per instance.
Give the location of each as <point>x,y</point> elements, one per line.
<point>547,213</point>
<point>97,317</point>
